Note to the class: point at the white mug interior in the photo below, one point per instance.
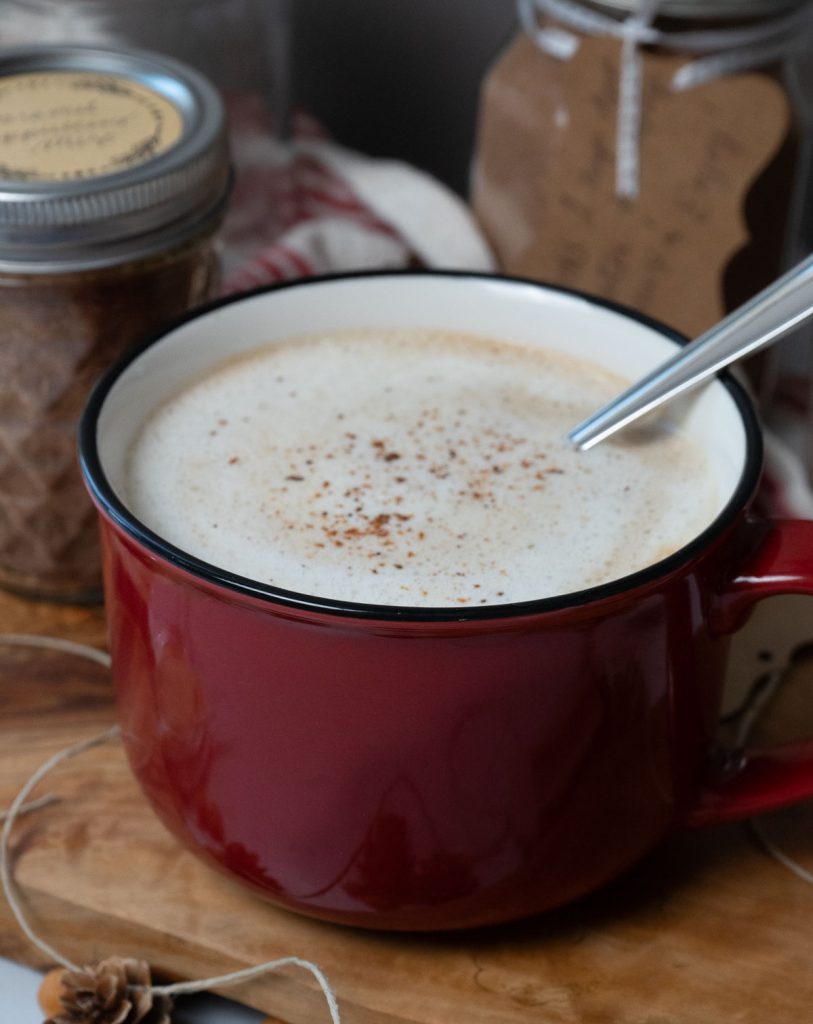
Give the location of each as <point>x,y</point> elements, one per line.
<point>496,307</point>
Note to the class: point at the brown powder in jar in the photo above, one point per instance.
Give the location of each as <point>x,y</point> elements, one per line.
<point>58,332</point>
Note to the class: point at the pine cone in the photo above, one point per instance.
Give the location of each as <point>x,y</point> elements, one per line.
<point>114,991</point>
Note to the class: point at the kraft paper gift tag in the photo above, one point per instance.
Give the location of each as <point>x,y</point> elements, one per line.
<point>716,164</point>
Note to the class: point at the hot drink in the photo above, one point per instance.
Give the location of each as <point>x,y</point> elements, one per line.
<point>413,468</point>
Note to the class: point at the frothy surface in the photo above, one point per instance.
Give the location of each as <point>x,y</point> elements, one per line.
<point>411,468</point>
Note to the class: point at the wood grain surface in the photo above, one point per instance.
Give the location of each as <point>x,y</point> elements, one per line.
<point>706,929</point>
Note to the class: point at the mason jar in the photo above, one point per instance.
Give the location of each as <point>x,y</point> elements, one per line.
<point>241,46</point>
<point>653,163</point>
<point>114,176</point>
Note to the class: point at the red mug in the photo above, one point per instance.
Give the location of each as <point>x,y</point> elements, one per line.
<point>404,768</point>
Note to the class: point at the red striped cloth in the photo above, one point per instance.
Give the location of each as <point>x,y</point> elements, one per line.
<point>312,208</point>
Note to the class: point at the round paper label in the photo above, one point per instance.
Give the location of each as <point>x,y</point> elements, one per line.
<point>65,125</point>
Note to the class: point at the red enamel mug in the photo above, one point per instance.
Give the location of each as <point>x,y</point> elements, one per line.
<point>394,767</point>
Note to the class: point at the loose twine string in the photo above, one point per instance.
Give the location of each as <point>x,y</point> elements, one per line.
<point>20,807</point>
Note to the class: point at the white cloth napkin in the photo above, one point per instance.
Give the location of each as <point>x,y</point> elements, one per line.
<point>313,207</point>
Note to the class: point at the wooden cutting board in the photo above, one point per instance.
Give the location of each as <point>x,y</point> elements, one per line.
<point>708,928</point>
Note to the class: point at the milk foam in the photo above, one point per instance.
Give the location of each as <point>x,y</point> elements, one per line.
<point>412,468</point>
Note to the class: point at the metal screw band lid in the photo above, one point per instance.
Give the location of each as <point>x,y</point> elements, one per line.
<point>105,155</point>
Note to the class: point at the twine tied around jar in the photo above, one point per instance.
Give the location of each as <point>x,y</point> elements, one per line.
<point>717,52</point>
<point>21,805</point>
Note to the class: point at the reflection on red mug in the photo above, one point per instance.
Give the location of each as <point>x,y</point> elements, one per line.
<point>419,768</point>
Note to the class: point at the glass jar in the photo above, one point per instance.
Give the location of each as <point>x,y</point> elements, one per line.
<point>698,105</point>
<point>114,174</point>
<point>241,46</point>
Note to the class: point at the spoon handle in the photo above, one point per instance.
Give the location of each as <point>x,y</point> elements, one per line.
<point>768,316</point>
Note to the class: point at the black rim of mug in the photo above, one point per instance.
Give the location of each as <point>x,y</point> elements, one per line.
<point>115,509</point>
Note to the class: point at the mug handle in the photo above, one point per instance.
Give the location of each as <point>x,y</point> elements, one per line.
<point>780,561</point>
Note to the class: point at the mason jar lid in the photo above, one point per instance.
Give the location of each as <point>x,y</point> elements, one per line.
<point>707,10</point>
<point>106,155</point>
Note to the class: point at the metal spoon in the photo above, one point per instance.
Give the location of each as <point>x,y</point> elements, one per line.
<point>761,321</point>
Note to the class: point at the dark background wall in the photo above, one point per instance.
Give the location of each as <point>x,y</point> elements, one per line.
<point>399,78</point>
